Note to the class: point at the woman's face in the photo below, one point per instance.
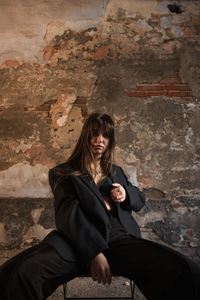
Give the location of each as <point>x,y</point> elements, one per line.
<point>99,143</point>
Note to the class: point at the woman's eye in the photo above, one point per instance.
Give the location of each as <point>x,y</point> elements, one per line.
<point>94,133</point>
<point>105,135</point>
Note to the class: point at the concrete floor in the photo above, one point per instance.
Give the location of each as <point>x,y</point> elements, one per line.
<point>86,287</point>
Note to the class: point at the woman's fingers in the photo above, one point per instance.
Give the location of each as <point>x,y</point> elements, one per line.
<point>108,276</point>
<point>118,193</point>
<point>100,270</point>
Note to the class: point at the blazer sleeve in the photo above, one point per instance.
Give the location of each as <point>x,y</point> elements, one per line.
<point>73,223</point>
<point>135,199</point>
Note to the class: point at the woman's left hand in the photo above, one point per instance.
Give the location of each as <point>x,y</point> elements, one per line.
<point>118,193</point>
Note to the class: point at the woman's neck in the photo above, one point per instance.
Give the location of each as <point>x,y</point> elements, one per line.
<point>95,167</point>
<point>96,164</point>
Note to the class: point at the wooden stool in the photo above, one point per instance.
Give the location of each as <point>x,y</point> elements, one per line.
<point>132,287</point>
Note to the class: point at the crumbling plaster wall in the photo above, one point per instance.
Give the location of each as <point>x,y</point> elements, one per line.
<point>138,61</point>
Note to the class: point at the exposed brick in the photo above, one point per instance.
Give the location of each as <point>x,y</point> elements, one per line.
<point>82,103</point>
<point>42,111</point>
<point>136,93</point>
<point>81,100</point>
<point>101,53</point>
<point>177,87</point>
<point>157,93</point>
<point>48,52</point>
<point>170,86</point>
<point>43,107</point>
<point>46,106</point>
<point>10,64</point>
<point>56,24</point>
<point>189,31</point>
<point>196,21</point>
<point>177,94</point>
<point>42,114</point>
<point>150,87</point>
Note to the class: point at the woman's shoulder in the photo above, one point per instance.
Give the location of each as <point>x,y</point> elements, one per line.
<point>63,168</point>
<point>116,167</point>
<point>60,167</point>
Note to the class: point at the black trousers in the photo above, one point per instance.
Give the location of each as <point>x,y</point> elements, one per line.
<point>159,272</point>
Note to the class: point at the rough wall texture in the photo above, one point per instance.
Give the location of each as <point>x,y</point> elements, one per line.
<point>137,60</point>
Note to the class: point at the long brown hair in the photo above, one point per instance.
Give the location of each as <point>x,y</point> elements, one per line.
<point>82,157</point>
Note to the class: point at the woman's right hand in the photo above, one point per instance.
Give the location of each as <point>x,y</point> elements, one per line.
<point>100,269</point>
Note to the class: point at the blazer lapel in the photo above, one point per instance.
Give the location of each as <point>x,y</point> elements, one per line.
<point>114,176</point>
<point>89,181</point>
<point>115,179</point>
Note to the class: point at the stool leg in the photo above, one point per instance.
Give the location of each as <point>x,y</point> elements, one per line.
<point>65,291</point>
<point>132,284</point>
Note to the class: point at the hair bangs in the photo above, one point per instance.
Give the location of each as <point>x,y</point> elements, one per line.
<point>102,124</point>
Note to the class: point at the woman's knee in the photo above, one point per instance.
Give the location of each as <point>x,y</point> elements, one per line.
<point>29,271</point>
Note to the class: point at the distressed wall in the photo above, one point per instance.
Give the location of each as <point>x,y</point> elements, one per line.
<point>137,60</point>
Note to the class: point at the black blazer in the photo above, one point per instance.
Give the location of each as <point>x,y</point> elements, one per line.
<point>81,216</point>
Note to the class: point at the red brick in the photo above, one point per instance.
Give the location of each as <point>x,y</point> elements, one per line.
<point>189,94</point>
<point>44,107</point>
<point>170,86</point>
<point>156,93</point>
<point>56,24</point>
<point>135,93</point>
<point>150,87</point>
<point>81,100</point>
<point>177,94</point>
<point>196,21</point>
<point>189,31</point>
<point>48,52</point>
<point>99,54</point>
<point>10,64</point>
<point>177,87</point>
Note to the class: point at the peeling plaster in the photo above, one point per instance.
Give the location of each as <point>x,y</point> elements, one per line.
<point>165,22</point>
<point>22,180</point>
<point>3,238</point>
<point>35,232</point>
<point>36,213</point>
<point>53,29</point>
<point>188,137</point>
<point>62,121</point>
<point>22,146</point>
<point>22,38</point>
<point>66,136</point>
<point>62,107</point>
<point>128,10</point>
<point>27,48</point>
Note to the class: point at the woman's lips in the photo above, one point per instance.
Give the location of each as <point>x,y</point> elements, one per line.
<point>98,147</point>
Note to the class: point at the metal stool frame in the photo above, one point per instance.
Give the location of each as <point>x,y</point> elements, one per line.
<point>132,286</point>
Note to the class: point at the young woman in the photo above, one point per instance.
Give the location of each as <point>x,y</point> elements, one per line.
<point>96,232</point>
